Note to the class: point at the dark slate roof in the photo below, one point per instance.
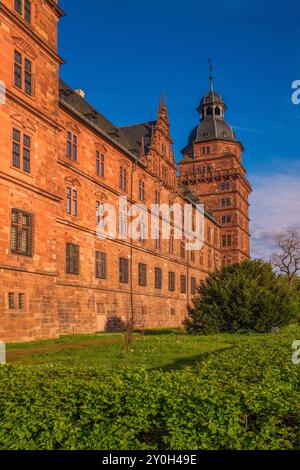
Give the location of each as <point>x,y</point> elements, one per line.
<point>136,133</point>
<point>72,98</point>
<point>211,129</point>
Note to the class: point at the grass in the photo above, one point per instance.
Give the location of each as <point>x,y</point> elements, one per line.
<point>157,349</point>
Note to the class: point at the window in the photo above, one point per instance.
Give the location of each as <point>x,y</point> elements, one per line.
<point>158,278</point>
<point>123,220</point>
<point>205,150</point>
<point>27,11</point>
<point>124,270</point>
<point>164,149</point>
<point>123,179</point>
<point>21,301</point>
<point>226,219</point>
<point>11,301</point>
<point>21,233</point>
<point>18,70</point>
<point>171,244</point>
<point>100,169</point>
<point>225,186</point>
<point>201,259</point>
<point>157,198</point>
<point>100,214</point>
<point>218,111</point>
<point>225,202</point>
<point>141,190</point>
<point>18,73</point>
<point>208,234</point>
<point>157,238</point>
<point>226,241</point>
<point>182,250</point>
<point>72,258</point>
<point>72,146</point>
<point>210,264</point>
<point>142,274</point>
<point>142,230</point>
<point>171,281</point>
<point>192,256</point>
<point>193,286</point>
<point>183,284</point>
<point>28,77</point>
<point>72,202</point>
<point>21,149</point>
<point>18,5</point>
<point>100,260</point>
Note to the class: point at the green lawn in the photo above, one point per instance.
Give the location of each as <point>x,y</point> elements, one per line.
<point>160,349</point>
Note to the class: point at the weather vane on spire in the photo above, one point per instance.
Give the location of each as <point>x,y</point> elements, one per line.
<point>211,73</point>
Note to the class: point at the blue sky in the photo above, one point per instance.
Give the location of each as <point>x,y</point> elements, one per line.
<point>125,53</point>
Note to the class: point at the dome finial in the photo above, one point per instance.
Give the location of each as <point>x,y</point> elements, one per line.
<point>211,69</point>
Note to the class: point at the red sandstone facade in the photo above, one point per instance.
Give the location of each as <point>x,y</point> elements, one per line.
<point>60,160</point>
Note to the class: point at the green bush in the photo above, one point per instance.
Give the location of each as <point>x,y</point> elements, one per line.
<point>247,397</point>
<point>247,296</point>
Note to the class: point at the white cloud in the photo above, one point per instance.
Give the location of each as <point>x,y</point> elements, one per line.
<point>275,207</point>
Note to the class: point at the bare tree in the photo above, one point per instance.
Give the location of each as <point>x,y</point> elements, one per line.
<point>287,260</point>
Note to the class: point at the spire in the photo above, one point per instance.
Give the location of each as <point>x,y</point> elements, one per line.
<point>211,78</point>
<point>142,154</point>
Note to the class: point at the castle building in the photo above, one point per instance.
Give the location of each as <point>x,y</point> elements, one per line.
<point>62,163</point>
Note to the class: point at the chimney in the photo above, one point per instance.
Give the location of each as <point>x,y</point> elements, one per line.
<point>80,93</point>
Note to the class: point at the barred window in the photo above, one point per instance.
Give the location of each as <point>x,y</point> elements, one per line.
<point>100,169</point>
<point>158,278</point>
<point>142,274</point>
<point>193,286</point>
<point>124,270</point>
<point>21,301</point>
<point>21,233</point>
<point>171,281</point>
<point>72,258</point>
<point>100,265</point>
<point>183,284</point>
<point>11,301</point>
<point>72,146</point>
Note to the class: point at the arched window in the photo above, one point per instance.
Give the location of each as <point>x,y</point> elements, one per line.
<point>218,111</point>
<point>209,111</point>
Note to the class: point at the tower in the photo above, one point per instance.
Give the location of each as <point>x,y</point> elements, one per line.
<point>213,171</point>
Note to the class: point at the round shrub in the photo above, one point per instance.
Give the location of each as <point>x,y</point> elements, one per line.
<point>247,296</point>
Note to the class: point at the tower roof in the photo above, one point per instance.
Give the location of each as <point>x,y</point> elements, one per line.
<point>212,124</point>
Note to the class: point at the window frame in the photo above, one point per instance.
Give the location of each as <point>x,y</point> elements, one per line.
<point>17,229</point>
